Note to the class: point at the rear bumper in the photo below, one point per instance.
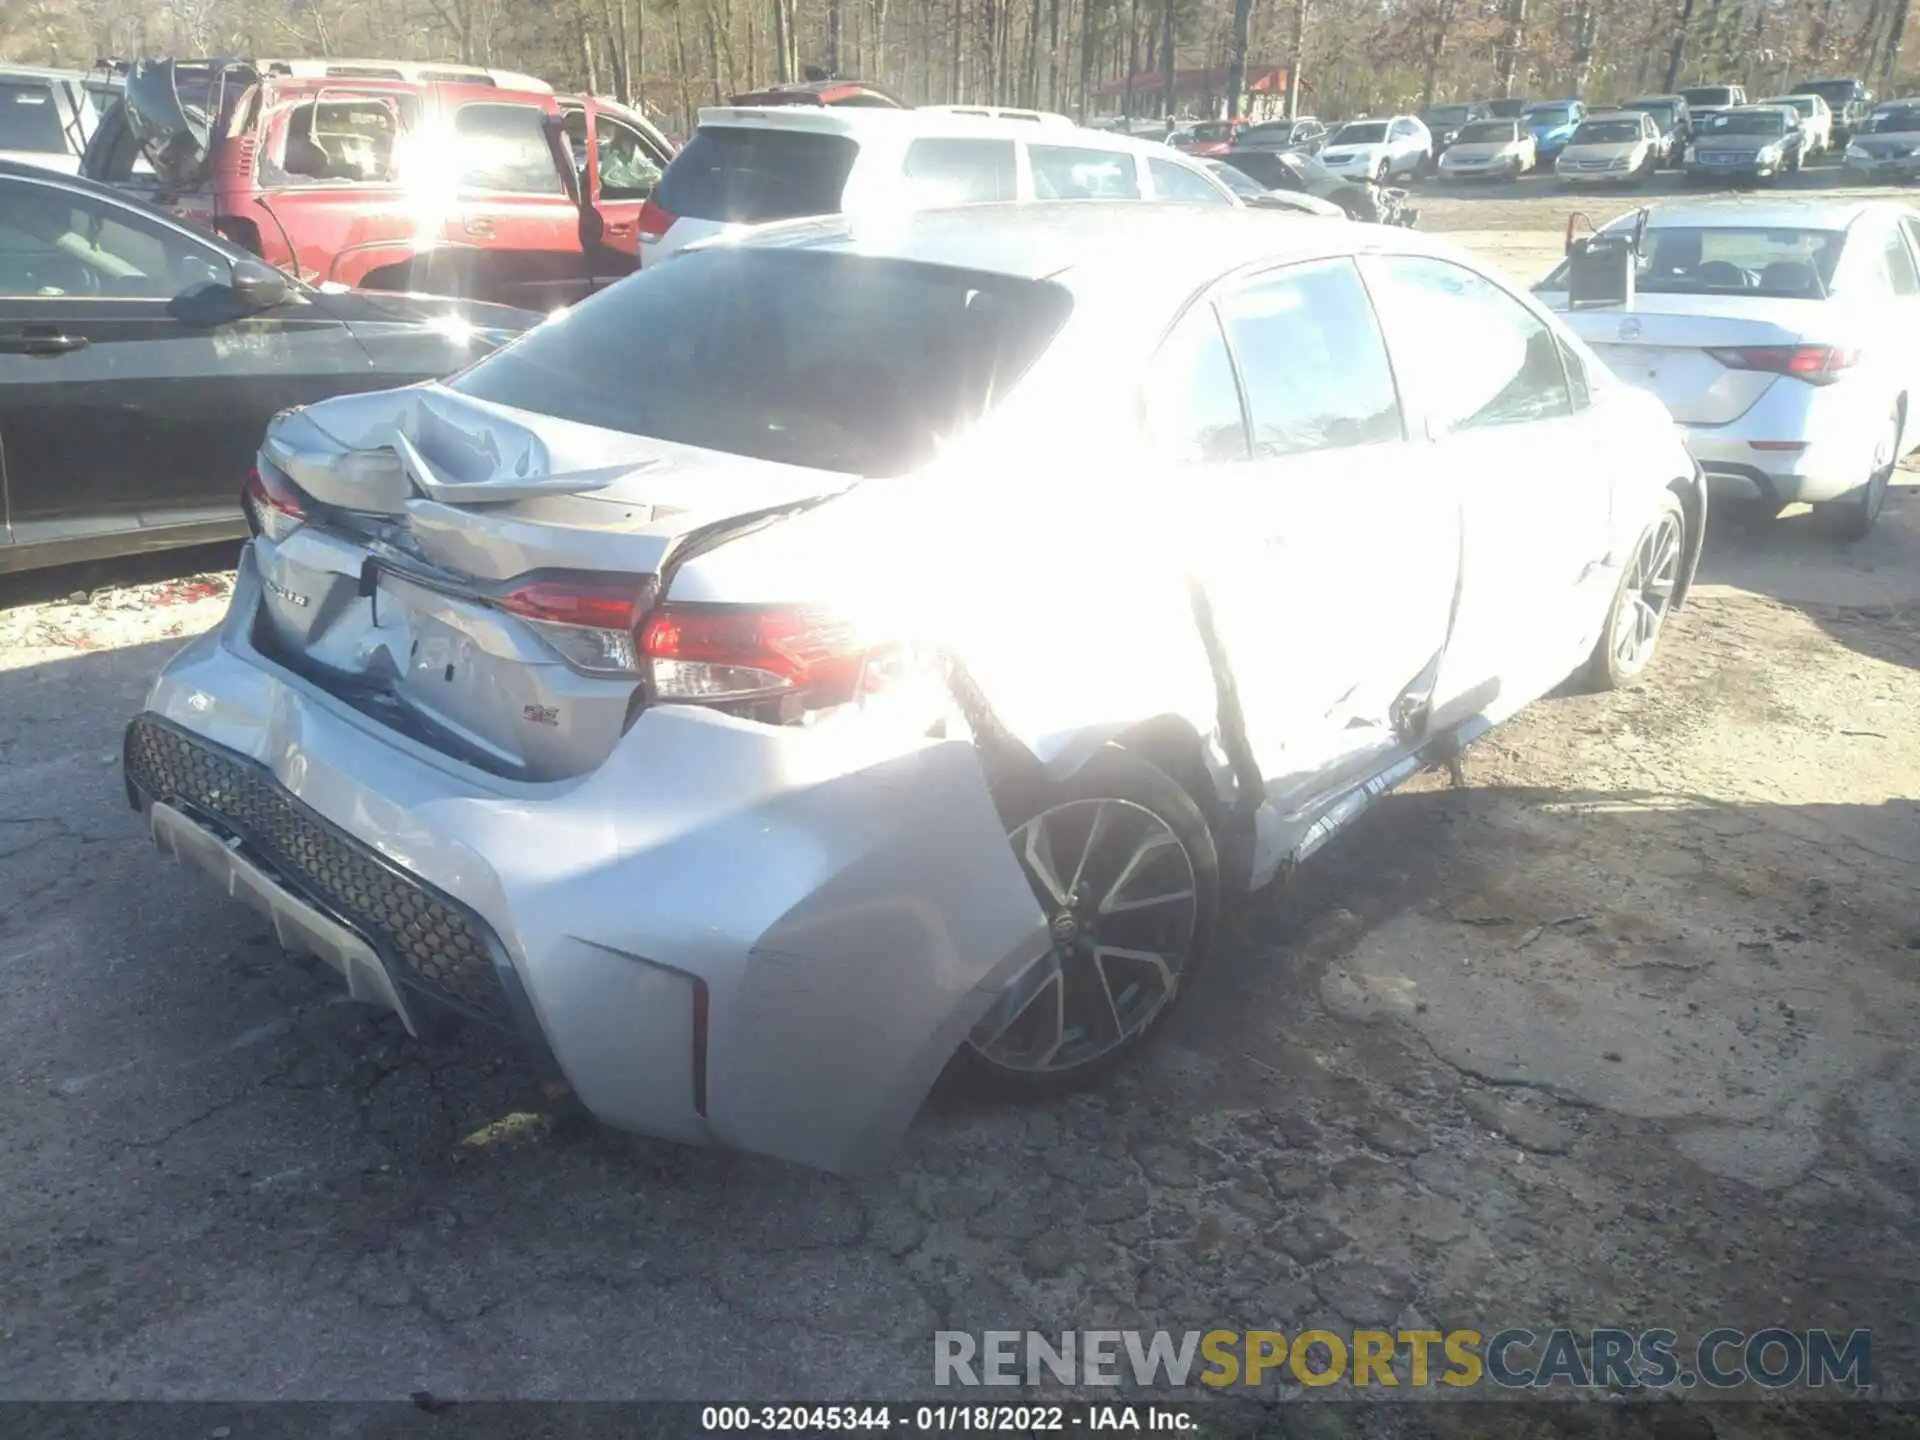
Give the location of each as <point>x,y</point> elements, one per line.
<point>1839,432</point>
<point>770,938</point>
<point>1599,177</point>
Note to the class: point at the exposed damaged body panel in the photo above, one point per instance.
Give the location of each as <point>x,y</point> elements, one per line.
<point>716,756</point>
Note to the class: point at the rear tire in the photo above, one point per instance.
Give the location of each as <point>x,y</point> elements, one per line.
<point>1124,865</point>
<point>1853,518</point>
<point>1641,603</point>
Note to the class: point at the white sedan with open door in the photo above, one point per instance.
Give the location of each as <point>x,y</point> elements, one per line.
<point>904,665</point>
<point>1785,340</point>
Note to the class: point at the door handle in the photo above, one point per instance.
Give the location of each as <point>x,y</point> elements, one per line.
<point>478,225</point>
<point>620,227</point>
<point>40,340</point>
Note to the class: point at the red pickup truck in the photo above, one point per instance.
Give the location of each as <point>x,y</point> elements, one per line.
<point>394,175</point>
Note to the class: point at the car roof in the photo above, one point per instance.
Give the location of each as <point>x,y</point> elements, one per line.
<point>39,72</point>
<point>1133,249</point>
<point>858,121</point>
<point>1802,212</point>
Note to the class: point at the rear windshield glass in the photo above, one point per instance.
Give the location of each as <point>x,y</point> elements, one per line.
<point>1488,132</point>
<point>1660,110</point>
<point>1749,122</point>
<point>745,176</point>
<point>1449,115</point>
<point>1788,264</point>
<point>1371,133</point>
<point>1708,95</point>
<point>1506,109</point>
<point>28,120</point>
<point>839,362</point>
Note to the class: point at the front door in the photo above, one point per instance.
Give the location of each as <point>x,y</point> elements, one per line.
<point>130,397</point>
<point>620,165</point>
<point>513,230</point>
<point>1332,570</point>
<point>1514,428</point>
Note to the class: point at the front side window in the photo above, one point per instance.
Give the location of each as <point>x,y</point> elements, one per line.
<point>629,163</point>
<point>56,243</point>
<point>1172,181</point>
<point>835,361</point>
<point>504,148</point>
<point>29,122</point>
<point>1312,361</point>
<point>1192,400</point>
<point>961,172</point>
<point>1064,172</point>
<point>1479,358</point>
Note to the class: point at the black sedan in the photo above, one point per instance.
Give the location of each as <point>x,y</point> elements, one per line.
<point>1305,175</point>
<point>140,360</point>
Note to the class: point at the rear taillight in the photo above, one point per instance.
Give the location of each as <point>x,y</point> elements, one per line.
<point>273,504</point>
<point>720,653</point>
<point>591,624</point>
<point>1816,364</point>
<point>655,221</point>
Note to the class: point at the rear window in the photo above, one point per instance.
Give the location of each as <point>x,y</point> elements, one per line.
<point>1064,172</point>
<point>1708,95</point>
<point>1786,264</point>
<point>1660,110</point>
<point>1449,115</point>
<point>961,172</point>
<point>28,120</point>
<point>1903,119</point>
<point>839,362</point>
<point>739,175</point>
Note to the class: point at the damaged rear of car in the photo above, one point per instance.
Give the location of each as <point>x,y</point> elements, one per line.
<point>758,723</point>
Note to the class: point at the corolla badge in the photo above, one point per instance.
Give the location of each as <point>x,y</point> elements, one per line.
<point>284,593</point>
<point>1629,329</point>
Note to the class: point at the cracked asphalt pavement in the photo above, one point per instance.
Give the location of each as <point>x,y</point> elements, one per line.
<point>1620,1032</point>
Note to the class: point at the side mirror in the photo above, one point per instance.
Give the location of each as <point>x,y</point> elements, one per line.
<point>258,286</point>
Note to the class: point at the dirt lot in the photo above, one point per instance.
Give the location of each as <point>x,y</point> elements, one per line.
<point>1619,1033</point>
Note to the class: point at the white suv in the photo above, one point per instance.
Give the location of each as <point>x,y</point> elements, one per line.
<point>747,166</point>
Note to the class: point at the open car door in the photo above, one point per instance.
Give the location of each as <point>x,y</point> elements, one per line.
<point>620,159</point>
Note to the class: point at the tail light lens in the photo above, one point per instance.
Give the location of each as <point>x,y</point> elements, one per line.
<point>655,221</point>
<point>274,505</point>
<point>590,623</point>
<point>718,653</point>
<point>1815,364</point>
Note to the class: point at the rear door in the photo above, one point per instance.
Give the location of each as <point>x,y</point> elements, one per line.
<point>125,400</point>
<point>1515,430</point>
<point>1332,578</point>
<point>513,229</point>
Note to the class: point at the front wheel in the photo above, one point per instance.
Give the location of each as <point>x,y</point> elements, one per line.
<point>1124,868</point>
<point>1642,601</point>
<point>1380,173</point>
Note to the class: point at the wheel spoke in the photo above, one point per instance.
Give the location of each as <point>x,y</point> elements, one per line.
<point>1086,851</point>
<point>1037,853</point>
<point>1041,991</point>
<point>1121,907</point>
<point>1169,982</point>
<point>1159,840</point>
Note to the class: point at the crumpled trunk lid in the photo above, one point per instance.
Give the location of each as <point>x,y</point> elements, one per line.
<point>427,508</point>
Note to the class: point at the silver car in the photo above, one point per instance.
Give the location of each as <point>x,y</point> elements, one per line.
<point>865,645</point>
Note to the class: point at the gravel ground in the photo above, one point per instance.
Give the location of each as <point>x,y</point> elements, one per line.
<point>1620,1032</point>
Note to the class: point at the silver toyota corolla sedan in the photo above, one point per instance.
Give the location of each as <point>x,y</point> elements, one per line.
<point>865,646</point>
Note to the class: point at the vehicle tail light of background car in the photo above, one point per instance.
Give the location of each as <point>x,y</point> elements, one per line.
<point>274,505</point>
<point>1815,364</point>
<point>655,221</point>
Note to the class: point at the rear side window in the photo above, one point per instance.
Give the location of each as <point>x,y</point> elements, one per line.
<point>337,139</point>
<point>504,148</point>
<point>739,175</point>
<point>28,120</point>
<point>1312,360</point>
<point>961,172</point>
<point>1067,172</point>
<point>835,361</point>
<point>1176,182</point>
<point>1897,265</point>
